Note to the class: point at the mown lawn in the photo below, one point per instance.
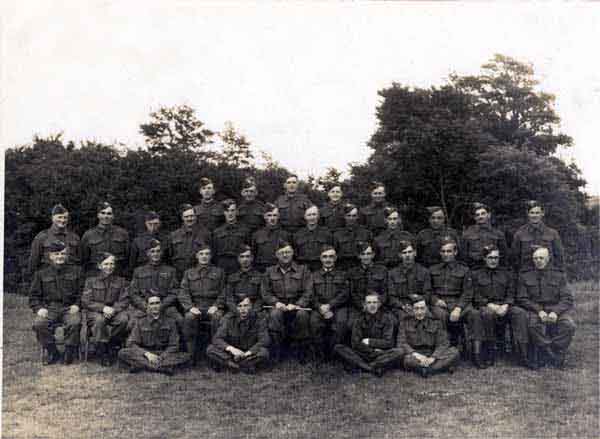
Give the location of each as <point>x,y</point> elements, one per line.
<point>87,401</point>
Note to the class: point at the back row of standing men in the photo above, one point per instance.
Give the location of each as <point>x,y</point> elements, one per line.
<point>356,238</point>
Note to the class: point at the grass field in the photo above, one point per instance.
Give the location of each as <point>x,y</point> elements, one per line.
<point>292,401</point>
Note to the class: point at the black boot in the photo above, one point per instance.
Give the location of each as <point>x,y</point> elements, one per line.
<point>103,353</point>
<point>53,355</point>
<point>477,355</point>
<point>491,353</point>
<point>70,354</point>
<point>532,360</point>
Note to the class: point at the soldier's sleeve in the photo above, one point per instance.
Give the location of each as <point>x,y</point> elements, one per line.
<point>441,342</point>
<point>266,290</point>
<point>135,338</point>
<point>122,302</point>
<point>357,336</point>
<point>85,249</point>
<point>356,296</point>
<point>510,289</point>
<point>427,290</point>
<point>133,256</point>
<point>171,297</point>
<point>77,251</point>
<point>466,298</point>
<point>127,251</point>
<point>558,252</point>
<point>383,295</point>
<point>387,338</point>
<point>307,289</point>
<point>342,296</point>
<point>135,295</point>
<point>392,301</point>
<point>87,298</point>
<point>219,340</point>
<point>35,293</point>
<point>264,340</point>
<point>220,300</point>
<point>173,346</point>
<point>401,340</point>
<point>523,297</point>
<point>35,256</point>
<point>515,252</point>
<point>185,297</point>
<point>504,250</point>
<point>565,301</point>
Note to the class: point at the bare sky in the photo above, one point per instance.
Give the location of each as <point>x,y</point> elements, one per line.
<point>300,81</point>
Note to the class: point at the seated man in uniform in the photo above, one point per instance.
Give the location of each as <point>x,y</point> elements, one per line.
<point>423,342</point>
<point>544,293</point>
<point>372,340</point>
<point>54,297</point>
<point>242,340</point>
<point>154,342</point>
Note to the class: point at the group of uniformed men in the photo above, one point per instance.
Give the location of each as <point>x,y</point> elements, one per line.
<point>257,280</point>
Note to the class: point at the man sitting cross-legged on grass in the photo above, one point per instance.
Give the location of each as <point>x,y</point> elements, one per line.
<point>154,342</point>
<point>242,340</point>
<point>423,342</point>
<point>372,339</point>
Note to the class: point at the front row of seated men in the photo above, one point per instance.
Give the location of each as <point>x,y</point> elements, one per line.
<point>385,316</point>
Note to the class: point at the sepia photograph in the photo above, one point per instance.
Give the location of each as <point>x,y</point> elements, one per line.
<point>336,220</point>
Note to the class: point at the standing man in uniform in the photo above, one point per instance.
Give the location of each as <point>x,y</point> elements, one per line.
<point>154,343</point>
<point>536,234</point>
<point>423,342</point>
<point>251,211</point>
<point>372,347</point>
<point>141,244</point>
<point>54,297</point>
<point>246,282</point>
<point>227,239</point>
<point>264,241</point>
<point>287,288</point>
<point>544,293</point>
<point>105,238</point>
<point>292,206</point>
<point>428,240</point>
<point>387,244</point>
<point>209,212</point>
<point>180,250</point>
<point>332,212</point>
<point>346,240</point>
<point>372,216</point>
<point>58,231</point>
<point>481,235</point>
<point>309,240</point>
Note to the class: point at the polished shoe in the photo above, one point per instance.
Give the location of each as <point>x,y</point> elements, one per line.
<point>424,372</point>
<point>53,356</point>
<point>70,354</point>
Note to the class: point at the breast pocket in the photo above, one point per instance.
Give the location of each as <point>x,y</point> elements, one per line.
<point>475,246</point>
<point>147,337</point>
<point>163,336</point>
<point>144,282</point>
<point>97,245</point>
<point>399,287</point>
<point>164,281</point>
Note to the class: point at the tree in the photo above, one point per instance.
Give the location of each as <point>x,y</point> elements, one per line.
<point>512,110</point>
<point>174,129</point>
<point>331,178</point>
<point>235,150</point>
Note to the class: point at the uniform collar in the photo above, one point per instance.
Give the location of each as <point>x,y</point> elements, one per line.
<point>56,231</point>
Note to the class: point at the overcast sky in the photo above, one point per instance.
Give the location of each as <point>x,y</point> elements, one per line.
<point>300,81</point>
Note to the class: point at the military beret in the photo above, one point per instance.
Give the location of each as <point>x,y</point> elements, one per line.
<point>243,248</point>
<point>349,207</point>
<point>476,206</point>
<point>281,244</point>
<point>326,248</point>
<point>228,203</point>
<point>153,244</point>
<point>185,207</point>
<point>445,240</point>
<point>434,209</point>
<point>362,246</point>
<point>532,204</point>
<point>403,245</point>
<point>56,246</point>
<point>198,245</point>
<point>150,216</point>
<point>416,298</point>
<point>390,210</point>
<point>376,185</point>
<point>248,183</point>
<point>59,209</point>
<point>103,256</point>
<point>270,207</point>
<point>489,249</point>
<point>205,182</point>
<point>103,205</point>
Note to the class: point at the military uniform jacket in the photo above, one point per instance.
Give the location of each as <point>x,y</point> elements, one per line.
<point>292,286</point>
<point>154,335</point>
<point>291,210</point>
<point>330,287</point>
<point>362,279</point>
<point>264,243</point>
<point>427,335</point>
<point>202,287</point>
<point>545,290</point>
<point>345,240</point>
<point>332,216</point>
<point>52,286</point>
<point>475,238</point>
<point>251,214</point>
<point>112,239</point>
<point>373,218</point>
<point>451,281</point>
<point>140,246</point>
<point>378,328</point>
<point>307,243</point>
<point>493,286</point>
<point>541,235</point>
<point>406,283</point>
<point>41,243</point>
<point>181,245</point>
<point>160,278</point>
<point>250,334</point>
<point>101,291</point>
<point>227,239</point>
<point>209,215</point>
<point>243,284</point>
<point>428,245</point>
<point>387,246</point>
